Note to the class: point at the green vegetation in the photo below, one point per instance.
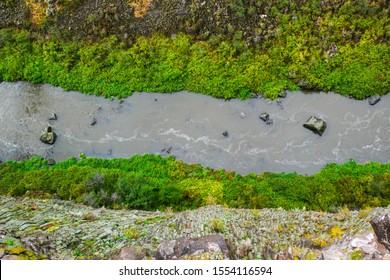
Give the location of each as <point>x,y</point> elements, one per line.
<point>296,57</point>
<point>151,182</point>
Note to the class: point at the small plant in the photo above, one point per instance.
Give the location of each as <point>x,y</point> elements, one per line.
<point>336,233</point>
<point>357,255</point>
<point>131,233</point>
<point>319,242</point>
<point>218,225</point>
<point>9,242</point>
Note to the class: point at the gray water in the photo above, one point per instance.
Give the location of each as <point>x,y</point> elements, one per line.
<point>190,126</point>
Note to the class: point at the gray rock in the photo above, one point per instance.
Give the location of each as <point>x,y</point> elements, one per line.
<point>131,253</point>
<point>93,121</point>
<point>264,116</point>
<point>334,253</point>
<point>374,99</point>
<point>183,247</point>
<point>48,136</point>
<point>316,125</point>
<point>282,94</point>
<point>53,117</point>
<point>381,226</point>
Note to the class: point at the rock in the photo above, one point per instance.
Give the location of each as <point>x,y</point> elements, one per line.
<point>282,94</point>
<point>131,253</point>
<point>284,255</point>
<point>93,121</point>
<point>48,136</point>
<point>10,257</point>
<point>374,99</point>
<point>265,117</point>
<point>210,247</point>
<point>51,162</point>
<point>225,133</point>
<point>242,115</point>
<point>334,253</point>
<point>39,243</point>
<point>53,117</point>
<point>316,125</point>
<point>381,226</point>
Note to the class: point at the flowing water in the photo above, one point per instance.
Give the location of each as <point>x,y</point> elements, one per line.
<point>190,126</point>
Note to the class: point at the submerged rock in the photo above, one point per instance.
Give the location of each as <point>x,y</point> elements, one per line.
<point>374,99</point>
<point>225,133</point>
<point>48,136</point>
<point>316,125</point>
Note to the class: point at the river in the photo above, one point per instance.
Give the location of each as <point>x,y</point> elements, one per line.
<point>190,126</point>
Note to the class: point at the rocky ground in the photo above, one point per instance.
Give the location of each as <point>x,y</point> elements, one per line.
<point>55,229</point>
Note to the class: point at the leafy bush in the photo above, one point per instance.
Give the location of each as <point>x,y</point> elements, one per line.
<point>153,182</point>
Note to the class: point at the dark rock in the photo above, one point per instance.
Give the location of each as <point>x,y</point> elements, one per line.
<point>53,117</point>
<point>225,133</point>
<point>48,136</point>
<point>374,99</point>
<point>282,94</point>
<point>316,125</point>
<point>51,162</point>
<point>214,246</point>
<point>131,253</point>
<point>381,226</point>
<point>264,116</point>
<point>93,121</point>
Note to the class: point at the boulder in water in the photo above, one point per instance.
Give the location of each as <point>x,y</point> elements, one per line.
<point>93,121</point>
<point>225,133</point>
<point>53,117</point>
<point>48,136</point>
<point>374,99</point>
<point>265,117</point>
<point>316,125</point>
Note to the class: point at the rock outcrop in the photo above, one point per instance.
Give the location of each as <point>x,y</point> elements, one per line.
<point>316,125</point>
<point>57,229</point>
<point>381,226</point>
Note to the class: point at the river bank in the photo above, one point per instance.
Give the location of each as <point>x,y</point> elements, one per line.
<point>54,229</point>
<point>226,49</point>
